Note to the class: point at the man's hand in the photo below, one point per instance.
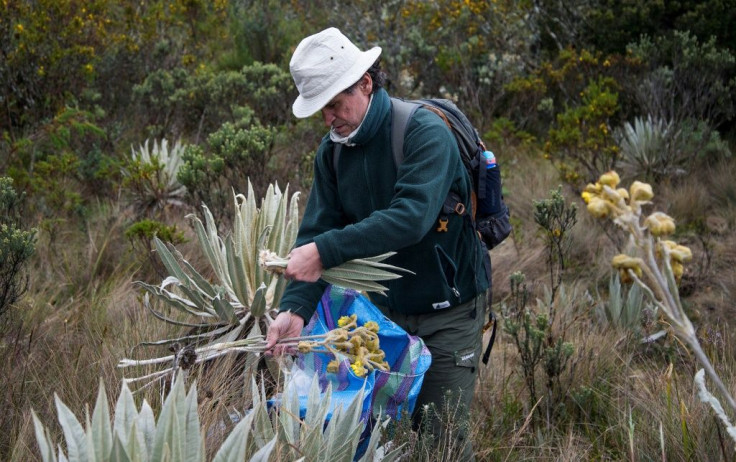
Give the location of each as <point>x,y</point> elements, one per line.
<point>286,325</point>
<point>305,264</point>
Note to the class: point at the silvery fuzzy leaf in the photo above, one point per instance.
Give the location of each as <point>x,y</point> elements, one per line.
<point>43,438</point>
<point>101,430</point>
<point>74,435</point>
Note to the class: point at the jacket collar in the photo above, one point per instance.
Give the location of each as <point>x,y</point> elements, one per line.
<point>379,108</point>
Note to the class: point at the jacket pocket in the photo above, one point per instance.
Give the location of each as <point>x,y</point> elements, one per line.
<point>448,272</point>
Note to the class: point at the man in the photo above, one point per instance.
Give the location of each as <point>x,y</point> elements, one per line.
<point>362,206</point>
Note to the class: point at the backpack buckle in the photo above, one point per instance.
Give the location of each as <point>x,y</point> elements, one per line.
<point>442,228</point>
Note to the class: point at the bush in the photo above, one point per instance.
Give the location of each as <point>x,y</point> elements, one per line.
<point>234,154</point>
<point>16,246</point>
<point>580,143</point>
<point>62,162</point>
<point>198,104</point>
<point>684,79</point>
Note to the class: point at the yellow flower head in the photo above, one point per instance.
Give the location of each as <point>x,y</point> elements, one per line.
<point>333,366</point>
<point>623,193</point>
<point>372,344</point>
<point>377,356</point>
<point>610,179</point>
<point>623,263</point>
<point>593,188</point>
<point>598,207</point>
<point>681,254</point>
<point>641,192</point>
<point>358,368</point>
<point>371,326</point>
<point>337,335</point>
<point>660,224</point>
<point>356,341</point>
<point>677,270</point>
<point>587,196</point>
<point>347,321</point>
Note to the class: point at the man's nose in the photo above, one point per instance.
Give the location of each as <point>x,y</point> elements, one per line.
<point>328,116</point>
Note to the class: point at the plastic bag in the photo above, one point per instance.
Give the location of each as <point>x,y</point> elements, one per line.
<point>388,393</point>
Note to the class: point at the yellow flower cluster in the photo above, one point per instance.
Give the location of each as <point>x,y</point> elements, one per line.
<point>605,200</point>
<point>623,263</point>
<point>359,344</point>
<point>679,254</point>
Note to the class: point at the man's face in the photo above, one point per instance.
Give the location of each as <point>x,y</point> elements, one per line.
<point>345,112</point>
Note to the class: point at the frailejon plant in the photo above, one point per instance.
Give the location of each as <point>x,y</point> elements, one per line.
<point>626,309</point>
<point>135,435</point>
<point>648,147</point>
<point>233,314</point>
<point>151,175</point>
<point>241,304</point>
<point>652,261</point>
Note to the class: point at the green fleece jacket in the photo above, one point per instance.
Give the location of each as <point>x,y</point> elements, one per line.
<point>366,207</point>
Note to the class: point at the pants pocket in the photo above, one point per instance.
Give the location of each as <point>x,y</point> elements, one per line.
<point>467,357</point>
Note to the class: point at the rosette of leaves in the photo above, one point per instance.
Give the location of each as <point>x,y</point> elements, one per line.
<point>135,435</point>
<point>240,303</point>
<point>151,175</point>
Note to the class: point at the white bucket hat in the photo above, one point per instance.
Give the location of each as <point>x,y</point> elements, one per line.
<point>323,65</point>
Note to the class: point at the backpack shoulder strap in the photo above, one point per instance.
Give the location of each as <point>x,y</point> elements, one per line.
<point>401,113</point>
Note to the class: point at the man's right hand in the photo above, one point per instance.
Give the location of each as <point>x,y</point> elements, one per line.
<point>304,264</point>
<point>286,325</point>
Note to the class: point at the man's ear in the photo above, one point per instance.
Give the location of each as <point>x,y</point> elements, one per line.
<point>366,84</point>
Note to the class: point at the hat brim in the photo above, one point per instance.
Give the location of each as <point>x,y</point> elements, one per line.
<point>304,107</point>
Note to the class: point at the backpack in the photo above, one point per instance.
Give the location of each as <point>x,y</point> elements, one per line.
<point>489,214</point>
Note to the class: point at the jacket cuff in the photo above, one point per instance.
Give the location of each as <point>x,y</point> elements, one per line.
<point>302,311</point>
<point>327,255</point>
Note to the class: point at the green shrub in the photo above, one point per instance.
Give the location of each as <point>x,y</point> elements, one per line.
<point>580,143</point>
<point>61,163</point>
<point>197,104</point>
<point>234,155</point>
<point>555,219</point>
<point>684,79</point>
<point>16,245</point>
<point>141,235</point>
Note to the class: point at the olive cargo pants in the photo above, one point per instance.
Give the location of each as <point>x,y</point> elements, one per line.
<point>454,337</point>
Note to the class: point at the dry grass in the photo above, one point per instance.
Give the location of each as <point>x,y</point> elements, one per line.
<point>83,314</point>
